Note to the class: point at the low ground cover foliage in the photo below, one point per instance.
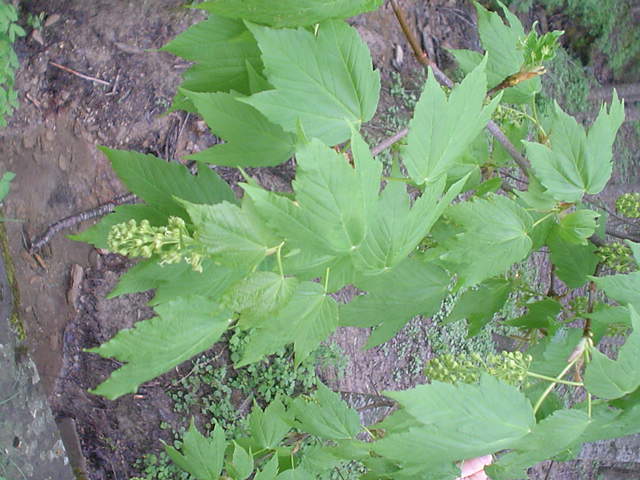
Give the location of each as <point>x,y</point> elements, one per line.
<point>290,79</point>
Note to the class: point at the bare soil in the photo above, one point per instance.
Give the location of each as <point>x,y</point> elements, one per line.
<point>51,145</point>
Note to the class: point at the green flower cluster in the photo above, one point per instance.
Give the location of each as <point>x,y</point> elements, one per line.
<point>172,243</point>
<point>617,256</point>
<point>579,305</point>
<point>538,49</point>
<point>510,367</point>
<point>628,205</point>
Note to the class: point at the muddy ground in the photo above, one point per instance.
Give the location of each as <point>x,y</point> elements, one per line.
<point>51,145</point>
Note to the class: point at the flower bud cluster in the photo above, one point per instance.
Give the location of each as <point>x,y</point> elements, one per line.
<point>628,205</point>
<point>617,256</point>
<point>171,243</point>
<point>510,367</point>
<point>539,48</point>
<point>579,305</point>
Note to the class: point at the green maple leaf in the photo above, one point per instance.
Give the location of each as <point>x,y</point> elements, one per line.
<point>182,329</point>
<point>578,226</point>
<point>501,43</point>
<point>176,280</point>
<point>326,83</point>
<point>577,163</point>
<point>159,182</point>
<point>326,415</point>
<point>327,222</point>
<point>541,314</point>
<point>478,306</point>
<point>258,295</point>
<point>391,238</point>
<point>309,317</point>
<point>234,121</point>
<point>201,456</point>
<point>443,128</point>
<point>495,236</point>
<point>289,13</point>
<point>548,438</point>
<point>240,465</point>
<point>574,263</point>
<point>393,298</point>
<point>622,288</point>
<point>234,236</point>
<point>453,422</point>
<point>270,426</point>
<point>221,67</point>
<point>611,379</point>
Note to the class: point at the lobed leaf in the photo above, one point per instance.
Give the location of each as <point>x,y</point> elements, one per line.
<point>454,422</point>
<point>326,83</point>
<point>289,13</point>
<point>495,236</point>
<point>326,415</point>
<point>176,280</point>
<point>442,129</point>
<point>159,182</point>
<point>548,438</point>
<point>622,288</point>
<point>268,427</point>
<point>393,298</point>
<point>234,121</point>
<point>234,236</point>
<point>201,456</point>
<point>307,319</point>
<point>577,163</point>
<point>611,379</point>
<point>221,67</point>
<point>478,306</point>
<point>574,263</point>
<point>578,226</point>
<point>182,329</point>
<point>505,58</point>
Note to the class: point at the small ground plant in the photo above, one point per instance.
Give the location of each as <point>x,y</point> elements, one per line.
<point>281,79</point>
<point>9,31</point>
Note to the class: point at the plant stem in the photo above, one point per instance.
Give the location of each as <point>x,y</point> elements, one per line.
<point>326,280</point>
<point>424,59</point>
<point>388,142</point>
<point>245,175</point>
<point>551,386</point>
<point>279,258</point>
<point>540,220</point>
<point>555,380</point>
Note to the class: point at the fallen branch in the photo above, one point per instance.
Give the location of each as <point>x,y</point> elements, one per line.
<point>73,220</point>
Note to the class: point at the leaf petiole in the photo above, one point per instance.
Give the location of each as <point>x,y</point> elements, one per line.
<point>551,386</point>
<point>555,380</point>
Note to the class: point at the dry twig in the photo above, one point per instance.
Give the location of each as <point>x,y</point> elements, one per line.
<point>78,74</point>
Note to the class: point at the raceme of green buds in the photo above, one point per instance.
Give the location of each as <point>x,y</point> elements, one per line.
<point>172,243</point>
<point>579,305</point>
<point>510,367</point>
<point>628,205</point>
<point>617,256</point>
<point>538,49</point>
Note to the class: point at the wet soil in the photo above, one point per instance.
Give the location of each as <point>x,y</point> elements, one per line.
<point>51,145</point>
